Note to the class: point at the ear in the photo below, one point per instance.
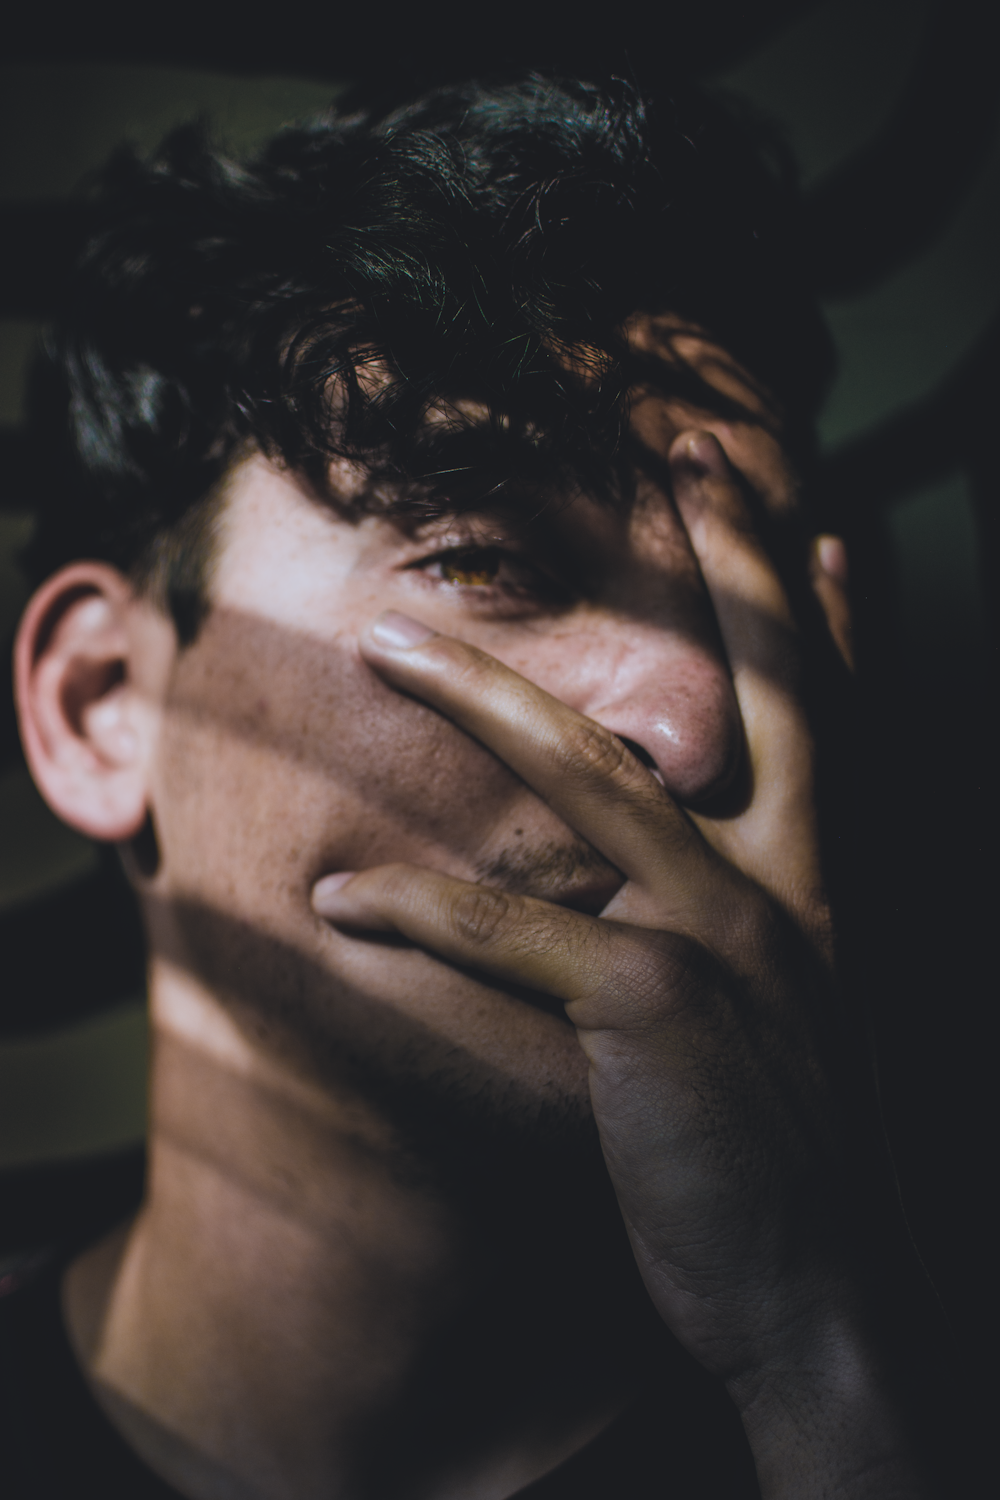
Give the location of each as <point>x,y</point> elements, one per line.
<point>84,723</point>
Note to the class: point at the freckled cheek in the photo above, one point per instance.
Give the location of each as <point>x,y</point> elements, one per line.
<point>310,762</point>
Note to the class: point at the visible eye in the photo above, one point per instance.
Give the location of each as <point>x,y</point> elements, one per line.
<point>477,568</point>
<point>498,574</point>
<point>497,578</point>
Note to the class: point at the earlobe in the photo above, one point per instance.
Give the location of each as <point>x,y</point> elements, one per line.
<point>74,681</point>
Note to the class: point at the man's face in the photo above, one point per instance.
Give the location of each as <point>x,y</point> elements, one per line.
<point>283,757</point>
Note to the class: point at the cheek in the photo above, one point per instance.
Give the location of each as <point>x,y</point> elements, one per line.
<point>285,757</point>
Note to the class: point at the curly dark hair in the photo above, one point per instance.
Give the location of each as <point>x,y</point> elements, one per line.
<point>472,247</point>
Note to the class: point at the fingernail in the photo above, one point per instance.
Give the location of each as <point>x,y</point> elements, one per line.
<point>324,890</point>
<point>702,453</point>
<point>832,555</point>
<point>399,631</point>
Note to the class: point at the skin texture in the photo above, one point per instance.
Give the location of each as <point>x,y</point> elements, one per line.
<point>403,1105</point>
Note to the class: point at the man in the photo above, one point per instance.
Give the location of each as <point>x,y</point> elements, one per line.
<point>407,622</point>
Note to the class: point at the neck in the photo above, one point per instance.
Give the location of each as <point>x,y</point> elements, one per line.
<point>294,1314</point>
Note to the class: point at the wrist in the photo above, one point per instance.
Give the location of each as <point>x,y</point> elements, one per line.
<point>828,1415</point>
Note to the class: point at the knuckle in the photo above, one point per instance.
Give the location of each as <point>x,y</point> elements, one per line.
<point>683,988</point>
<point>676,975</point>
<point>592,752</point>
<point>468,668</point>
<point>657,979</point>
<point>478,915</point>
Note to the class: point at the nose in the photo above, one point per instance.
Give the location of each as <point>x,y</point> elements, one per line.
<point>674,700</point>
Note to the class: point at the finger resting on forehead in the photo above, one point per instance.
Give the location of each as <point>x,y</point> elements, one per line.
<point>749,599</point>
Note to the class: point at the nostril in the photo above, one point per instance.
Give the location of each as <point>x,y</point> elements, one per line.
<point>680,720</point>
<point>642,754</point>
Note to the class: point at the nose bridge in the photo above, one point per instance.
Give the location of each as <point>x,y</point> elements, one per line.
<point>672,695</point>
